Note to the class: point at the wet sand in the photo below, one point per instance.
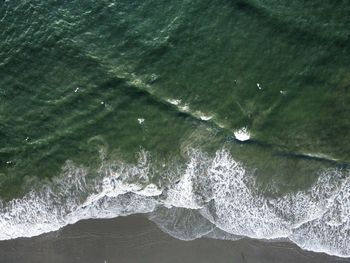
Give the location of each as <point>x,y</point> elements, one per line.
<point>136,239</point>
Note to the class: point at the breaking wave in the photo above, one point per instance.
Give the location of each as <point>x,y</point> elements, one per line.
<point>211,196</point>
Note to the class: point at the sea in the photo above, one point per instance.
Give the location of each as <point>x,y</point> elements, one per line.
<point>222,119</point>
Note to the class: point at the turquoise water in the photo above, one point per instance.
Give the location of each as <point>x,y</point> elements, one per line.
<point>236,109</point>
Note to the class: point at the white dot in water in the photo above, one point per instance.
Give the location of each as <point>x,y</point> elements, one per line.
<point>258,85</point>
<point>102,102</point>
<point>242,134</point>
<point>76,90</point>
<point>141,120</point>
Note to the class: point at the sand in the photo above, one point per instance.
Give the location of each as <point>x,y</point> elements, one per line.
<point>136,239</point>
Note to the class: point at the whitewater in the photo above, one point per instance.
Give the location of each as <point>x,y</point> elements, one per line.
<point>211,196</point>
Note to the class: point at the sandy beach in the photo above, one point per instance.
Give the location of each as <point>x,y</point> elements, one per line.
<point>136,239</point>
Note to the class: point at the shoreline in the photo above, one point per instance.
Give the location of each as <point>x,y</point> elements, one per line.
<point>136,239</point>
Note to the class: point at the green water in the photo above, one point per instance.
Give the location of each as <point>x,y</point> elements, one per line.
<point>77,76</point>
<point>110,108</point>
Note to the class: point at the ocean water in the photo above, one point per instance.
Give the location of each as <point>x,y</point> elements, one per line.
<point>224,119</point>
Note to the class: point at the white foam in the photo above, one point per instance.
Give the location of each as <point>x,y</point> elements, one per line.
<point>141,120</point>
<point>320,155</point>
<point>242,134</point>
<point>205,117</point>
<point>283,92</point>
<point>182,193</point>
<point>184,108</point>
<point>238,210</point>
<point>219,192</point>
<point>317,219</point>
<point>174,101</point>
<point>67,201</point>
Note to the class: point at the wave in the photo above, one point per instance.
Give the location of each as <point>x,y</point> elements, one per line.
<point>300,18</point>
<point>211,196</point>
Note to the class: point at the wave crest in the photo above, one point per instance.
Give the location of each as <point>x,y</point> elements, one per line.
<point>212,196</point>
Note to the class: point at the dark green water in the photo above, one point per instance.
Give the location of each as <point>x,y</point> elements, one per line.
<point>154,90</point>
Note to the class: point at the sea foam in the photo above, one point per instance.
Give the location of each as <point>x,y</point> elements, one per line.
<point>212,197</point>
